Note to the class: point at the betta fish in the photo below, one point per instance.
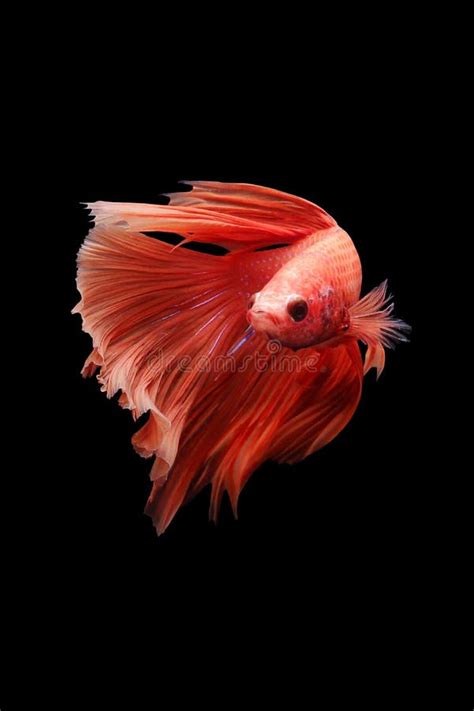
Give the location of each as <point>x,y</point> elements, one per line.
<point>238,357</point>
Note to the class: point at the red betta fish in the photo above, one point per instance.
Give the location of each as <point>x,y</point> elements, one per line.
<point>238,358</point>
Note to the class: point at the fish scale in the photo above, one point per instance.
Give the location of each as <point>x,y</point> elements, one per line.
<point>333,245</point>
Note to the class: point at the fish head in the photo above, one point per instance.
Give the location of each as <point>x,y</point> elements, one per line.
<point>298,319</point>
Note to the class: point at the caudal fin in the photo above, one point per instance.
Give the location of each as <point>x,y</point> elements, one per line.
<point>151,312</point>
<point>373,324</point>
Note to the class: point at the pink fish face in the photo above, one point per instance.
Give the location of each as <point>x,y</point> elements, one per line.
<point>299,320</point>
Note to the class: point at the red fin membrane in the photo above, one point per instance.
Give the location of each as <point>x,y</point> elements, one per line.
<point>280,412</point>
<point>232,215</point>
<point>151,312</point>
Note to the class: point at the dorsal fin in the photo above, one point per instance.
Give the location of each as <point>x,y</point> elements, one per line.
<point>232,215</point>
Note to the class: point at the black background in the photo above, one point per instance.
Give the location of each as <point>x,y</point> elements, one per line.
<point>335,501</point>
<point>348,523</point>
<point>362,545</point>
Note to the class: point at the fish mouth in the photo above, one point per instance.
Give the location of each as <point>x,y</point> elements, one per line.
<point>261,320</point>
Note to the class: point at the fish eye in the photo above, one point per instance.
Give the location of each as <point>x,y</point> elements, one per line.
<point>297,308</point>
<point>251,302</point>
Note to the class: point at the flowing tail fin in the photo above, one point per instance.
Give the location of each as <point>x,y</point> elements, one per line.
<point>151,312</point>
<point>373,324</point>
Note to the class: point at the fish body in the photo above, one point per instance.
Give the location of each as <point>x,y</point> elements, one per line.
<point>324,273</point>
<point>238,358</point>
